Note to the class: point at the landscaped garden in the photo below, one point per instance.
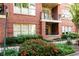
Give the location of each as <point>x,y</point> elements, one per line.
<point>35,45</point>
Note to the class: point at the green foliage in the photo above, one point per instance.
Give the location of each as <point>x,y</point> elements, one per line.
<point>74,10</point>
<point>69,42</point>
<point>65,49</point>
<point>42,48</point>
<point>70,35</point>
<point>64,36</point>
<point>11,40</point>
<point>31,36</point>
<point>21,38</point>
<point>10,52</point>
<point>37,48</point>
<point>18,5</point>
<point>25,5</point>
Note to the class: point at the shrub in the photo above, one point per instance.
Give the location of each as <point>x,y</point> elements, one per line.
<point>11,40</point>
<point>10,52</point>
<point>31,36</point>
<point>37,48</point>
<point>69,42</point>
<point>65,49</point>
<point>66,35</point>
<point>21,38</point>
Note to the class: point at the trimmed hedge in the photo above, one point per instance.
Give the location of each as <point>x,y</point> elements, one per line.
<point>70,35</point>
<point>21,38</point>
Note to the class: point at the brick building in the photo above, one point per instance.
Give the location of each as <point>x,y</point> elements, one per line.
<point>46,19</point>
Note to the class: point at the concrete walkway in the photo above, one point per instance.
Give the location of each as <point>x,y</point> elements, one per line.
<point>77,51</point>
<point>62,42</point>
<point>74,54</point>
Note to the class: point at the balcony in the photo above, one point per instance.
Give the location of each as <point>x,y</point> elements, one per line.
<point>50,12</point>
<point>48,18</point>
<point>2,11</point>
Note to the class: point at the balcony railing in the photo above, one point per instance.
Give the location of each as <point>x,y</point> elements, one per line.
<point>48,18</point>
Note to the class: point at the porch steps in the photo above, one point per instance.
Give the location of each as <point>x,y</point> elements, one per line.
<point>51,37</point>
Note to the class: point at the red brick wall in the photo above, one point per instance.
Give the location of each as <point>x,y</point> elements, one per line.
<point>23,19</point>
<point>55,13</point>
<point>65,22</point>
<point>1,29</point>
<point>29,19</point>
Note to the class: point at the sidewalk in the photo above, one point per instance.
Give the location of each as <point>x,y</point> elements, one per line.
<point>73,41</point>
<point>76,53</point>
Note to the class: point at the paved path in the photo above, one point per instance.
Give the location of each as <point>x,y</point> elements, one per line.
<point>77,51</point>
<point>74,54</point>
<point>73,41</point>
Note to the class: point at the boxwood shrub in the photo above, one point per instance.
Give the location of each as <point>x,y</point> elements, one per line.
<point>21,38</point>
<point>11,41</point>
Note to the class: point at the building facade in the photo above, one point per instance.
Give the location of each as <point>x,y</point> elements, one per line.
<point>46,19</point>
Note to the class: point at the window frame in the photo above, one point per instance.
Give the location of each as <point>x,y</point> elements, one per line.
<point>66,14</point>
<point>29,9</point>
<point>28,29</point>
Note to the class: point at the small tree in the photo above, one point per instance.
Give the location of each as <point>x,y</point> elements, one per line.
<point>74,10</point>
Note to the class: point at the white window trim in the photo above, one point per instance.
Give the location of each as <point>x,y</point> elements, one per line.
<point>29,31</point>
<point>24,13</point>
<point>66,29</point>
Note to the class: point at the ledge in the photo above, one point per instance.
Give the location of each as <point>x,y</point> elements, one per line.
<point>2,16</point>
<point>55,21</point>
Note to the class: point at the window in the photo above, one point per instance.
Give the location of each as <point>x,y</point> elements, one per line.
<point>16,29</point>
<point>70,29</point>
<point>24,29</point>
<point>32,29</point>
<point>1,9</point>
<point>63,29</point>
<point>66,14</point>
<point>66,29</point>
<point>25,8</point>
